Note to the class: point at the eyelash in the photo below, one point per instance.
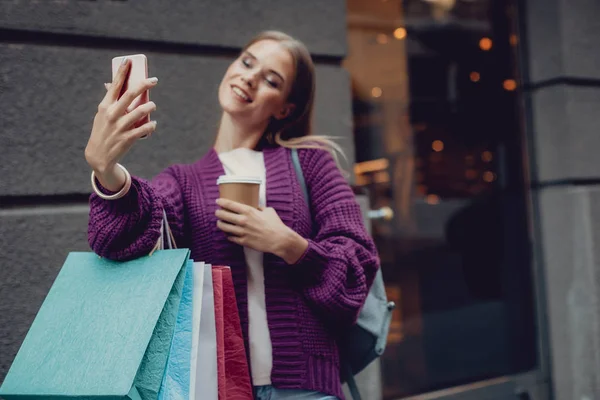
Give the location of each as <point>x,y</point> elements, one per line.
<point>247,64</point>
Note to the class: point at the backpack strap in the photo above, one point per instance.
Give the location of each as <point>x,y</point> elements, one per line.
<point>353,388</point>
<point>298,168</point>
<point>300,175</point>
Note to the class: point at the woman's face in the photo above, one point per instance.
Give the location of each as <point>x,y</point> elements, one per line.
<point>256,85</point>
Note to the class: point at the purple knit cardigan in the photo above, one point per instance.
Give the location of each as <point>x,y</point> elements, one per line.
<point>308,303</point>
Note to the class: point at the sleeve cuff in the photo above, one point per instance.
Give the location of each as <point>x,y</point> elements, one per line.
<point>129,202</point>
<point>105,190</point>
<point>312,255</point>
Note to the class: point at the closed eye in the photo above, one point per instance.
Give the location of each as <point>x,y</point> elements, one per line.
<point>272,83</point>
<point>246,62</point>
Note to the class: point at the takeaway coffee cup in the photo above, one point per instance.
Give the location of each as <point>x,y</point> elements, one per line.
<point>243,189</point>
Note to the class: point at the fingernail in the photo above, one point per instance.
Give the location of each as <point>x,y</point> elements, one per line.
<point>124,61</point>
<point>153,80</point>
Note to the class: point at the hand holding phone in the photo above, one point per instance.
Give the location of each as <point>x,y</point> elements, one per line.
<point>116,129</point>
<point>138,73</point>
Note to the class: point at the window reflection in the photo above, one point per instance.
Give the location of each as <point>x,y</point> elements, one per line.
<point>437,141</point>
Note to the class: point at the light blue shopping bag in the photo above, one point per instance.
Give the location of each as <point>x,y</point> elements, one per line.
<point>176,379</point>
<point>104,330</point>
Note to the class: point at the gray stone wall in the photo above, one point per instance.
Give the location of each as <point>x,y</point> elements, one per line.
<point>563,88</point>
<point>55,57</point>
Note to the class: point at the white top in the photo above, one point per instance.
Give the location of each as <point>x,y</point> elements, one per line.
<point>248,162</point>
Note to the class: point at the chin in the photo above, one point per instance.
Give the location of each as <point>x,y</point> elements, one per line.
<point>224,100</point>
<point>226,106</point>
<point>228,103</point>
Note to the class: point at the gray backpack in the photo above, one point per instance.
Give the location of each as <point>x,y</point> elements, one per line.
<point>366,340</point>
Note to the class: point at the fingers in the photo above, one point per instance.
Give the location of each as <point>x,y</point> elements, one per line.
<point>232,218</point>
<point>107,86</point>
<point>230,229</point>
<point>137,114</point>
<point>234,207</point>
<point>125,101</point>
<point>237,240</point>
<point>142,131</point>
<point>113,92</point>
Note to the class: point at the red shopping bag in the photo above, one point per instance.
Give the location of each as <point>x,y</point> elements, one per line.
<point>232,366</point>
<point>217,277</point>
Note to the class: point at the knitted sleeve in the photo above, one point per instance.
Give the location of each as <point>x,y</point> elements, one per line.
<point>130,226</point>
<point>341,260</point>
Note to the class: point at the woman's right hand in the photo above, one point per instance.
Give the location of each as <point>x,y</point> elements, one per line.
<point>114,131</point>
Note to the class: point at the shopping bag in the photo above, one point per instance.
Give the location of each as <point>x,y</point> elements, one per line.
<point>104,330</point>
<point>217,277</point>
<point>233,373</point>
<point>197,315</point>
<point>176,379</point>
<point>205,364</point>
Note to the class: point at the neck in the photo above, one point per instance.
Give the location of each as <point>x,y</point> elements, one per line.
<point>234,134</point>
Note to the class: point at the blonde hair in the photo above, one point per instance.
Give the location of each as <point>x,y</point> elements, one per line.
<point>295,131</point>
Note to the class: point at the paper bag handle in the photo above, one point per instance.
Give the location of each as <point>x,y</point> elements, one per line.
<point>170,239</point>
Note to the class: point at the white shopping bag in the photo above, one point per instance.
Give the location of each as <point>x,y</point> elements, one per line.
<point>203,367</point>
<point>196,317</point>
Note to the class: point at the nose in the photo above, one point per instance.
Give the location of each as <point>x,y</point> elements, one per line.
<point>249,79</point>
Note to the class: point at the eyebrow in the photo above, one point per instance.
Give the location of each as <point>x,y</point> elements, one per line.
<point>271,70</point>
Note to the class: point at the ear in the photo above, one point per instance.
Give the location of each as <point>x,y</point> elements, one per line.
<point>285,111</point>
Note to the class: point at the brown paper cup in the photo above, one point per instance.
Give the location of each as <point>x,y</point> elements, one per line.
<point>242,189</point>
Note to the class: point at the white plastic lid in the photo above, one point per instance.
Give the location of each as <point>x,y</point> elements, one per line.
<point>239,179</point>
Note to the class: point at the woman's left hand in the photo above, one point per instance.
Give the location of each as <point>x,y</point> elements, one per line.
<point>261,230</point>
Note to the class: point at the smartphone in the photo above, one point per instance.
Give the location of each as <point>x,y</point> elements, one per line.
<point>137,73</point>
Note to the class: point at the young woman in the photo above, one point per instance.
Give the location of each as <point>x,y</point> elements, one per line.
<point>301,271</point>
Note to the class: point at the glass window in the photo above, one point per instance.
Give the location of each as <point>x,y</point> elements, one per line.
<point>438,141</point>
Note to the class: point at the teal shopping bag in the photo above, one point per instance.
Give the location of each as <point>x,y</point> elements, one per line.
<point>104,330</point>
<point>176,379</point>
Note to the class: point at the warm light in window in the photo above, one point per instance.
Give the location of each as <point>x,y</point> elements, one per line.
<point>376,92</point>
<point>432,199</point>
<point>382,38</point>
<point>400,33</point>
<point>437,145</point>
<point>471,174</point>
<point>489,176</point>
<point>485,44</point>
<point>513,40</point>
<point>510,85</point>
<point>362,180</point>
<point>381,177</point>
<point>371,166</point>
<point>475,76</point>
<point>487,156</point>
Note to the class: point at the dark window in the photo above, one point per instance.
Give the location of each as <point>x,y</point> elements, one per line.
<point>438,139</point>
